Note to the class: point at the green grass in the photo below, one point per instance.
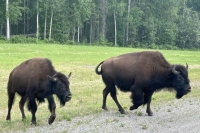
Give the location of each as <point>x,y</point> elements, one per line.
<point>86,86</point>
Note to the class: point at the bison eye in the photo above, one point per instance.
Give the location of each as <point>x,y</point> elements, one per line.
<point>180,77</point>
<point>60,85</point>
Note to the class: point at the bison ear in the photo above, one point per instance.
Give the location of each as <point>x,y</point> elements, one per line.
<point>69,75</point>
<point>53,79</point>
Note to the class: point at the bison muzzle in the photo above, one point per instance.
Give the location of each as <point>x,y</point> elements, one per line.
<point>142,73</point>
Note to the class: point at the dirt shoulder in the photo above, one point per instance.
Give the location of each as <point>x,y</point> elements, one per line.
<point>176,116</point>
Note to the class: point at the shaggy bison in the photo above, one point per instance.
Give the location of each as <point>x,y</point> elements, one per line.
<point>142,73</point>
<point>37,79</point>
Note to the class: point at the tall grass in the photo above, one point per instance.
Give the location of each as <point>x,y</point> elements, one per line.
<point>86,86</point>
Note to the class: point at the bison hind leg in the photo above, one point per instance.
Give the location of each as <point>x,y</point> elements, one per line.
<point>21,106</point>
<point>113,94</point>
<point>11,97</point>
<point>29,105</point>
<point>105,94</point>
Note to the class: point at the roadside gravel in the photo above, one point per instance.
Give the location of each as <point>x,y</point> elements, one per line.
<point>176,116</point>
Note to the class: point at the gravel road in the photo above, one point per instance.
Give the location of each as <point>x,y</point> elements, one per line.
<point>176,116</point>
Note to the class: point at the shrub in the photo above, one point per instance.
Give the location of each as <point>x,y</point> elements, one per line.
<point>22,39</point>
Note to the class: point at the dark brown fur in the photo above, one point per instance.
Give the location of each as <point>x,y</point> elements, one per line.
<point>141,73</point>
<point>37,79</point>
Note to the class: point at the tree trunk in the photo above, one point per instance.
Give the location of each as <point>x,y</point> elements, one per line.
<point>37,32</point>
<point>27,17</point>
<point>127,24</point>
<point>90,31</point>
<point>115,28</point>
<point>7,20</point>
<point>98,29</point>
<point>1,31</point>
<point>78,39</point>
<point>45,24</point>
<point>24,17</point>
<point>103,11</point>
<point>74,34</point>
<point>51,24</point>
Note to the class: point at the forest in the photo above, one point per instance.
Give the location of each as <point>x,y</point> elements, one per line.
<point>159,24</point>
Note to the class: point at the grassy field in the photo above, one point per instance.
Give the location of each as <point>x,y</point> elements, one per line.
<point>86,86</point>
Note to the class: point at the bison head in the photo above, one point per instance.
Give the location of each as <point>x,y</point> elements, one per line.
<point>60,87</point>
<point>180,81</point>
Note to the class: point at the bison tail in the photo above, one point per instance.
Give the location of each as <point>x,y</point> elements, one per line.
<point>96,69</point>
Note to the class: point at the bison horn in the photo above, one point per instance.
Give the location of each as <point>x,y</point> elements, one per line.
<point>54,75</point>
<point>174,70</point>
<point>69,75</point>
<point>52,78</point>
<point>186,66</point>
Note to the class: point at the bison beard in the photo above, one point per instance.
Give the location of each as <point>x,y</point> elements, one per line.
<point>37,79</point>
<point>142,73</point>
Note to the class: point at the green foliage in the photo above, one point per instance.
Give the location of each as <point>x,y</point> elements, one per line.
<point>174,23</point>
<point>103,42</point>
<point>22,39</point>
<point>3,38</point>
<point>52,41</point>
<point>15,11</point>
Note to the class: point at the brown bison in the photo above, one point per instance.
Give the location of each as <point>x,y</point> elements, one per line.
<point>37,79</point>
<point>142,73</point>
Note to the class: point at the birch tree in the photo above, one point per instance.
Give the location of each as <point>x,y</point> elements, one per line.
<point>45,17</point>
<point>37,30</point>
<point>118,8</point>
<point>103,7</point>
<point>7,20</point>
<point>127,23</point>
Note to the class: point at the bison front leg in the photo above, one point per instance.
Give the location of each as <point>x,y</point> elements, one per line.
<point>147,100</point>
<point>52,107</point>
<point>137,97</point>
<point>32,106</point>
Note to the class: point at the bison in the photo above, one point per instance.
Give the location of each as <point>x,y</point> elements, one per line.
<point>37,79</point>
<point>142,74</point>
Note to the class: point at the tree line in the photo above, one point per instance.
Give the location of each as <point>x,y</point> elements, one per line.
<point>168,24</point>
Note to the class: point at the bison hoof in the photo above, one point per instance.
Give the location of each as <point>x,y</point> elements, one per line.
<point>105,108</point>
<point>122,111</point>
<point>51,120</point>
<point>8,118</point>
<point>132,107</point>
<point>150,113</point>
<point>33,123</point>
<point>24,118</point>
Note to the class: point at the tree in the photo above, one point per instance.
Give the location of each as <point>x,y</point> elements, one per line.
<point>188,29</point>
<point>37,30</point>
<point>127,23</point>
<point>130,23</point>
<point>7,20</point>
<point>103,10</point>
<point>116,9</point>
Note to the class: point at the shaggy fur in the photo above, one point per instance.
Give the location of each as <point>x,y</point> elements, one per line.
<point>142,73</point>
<point>36,79</point>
